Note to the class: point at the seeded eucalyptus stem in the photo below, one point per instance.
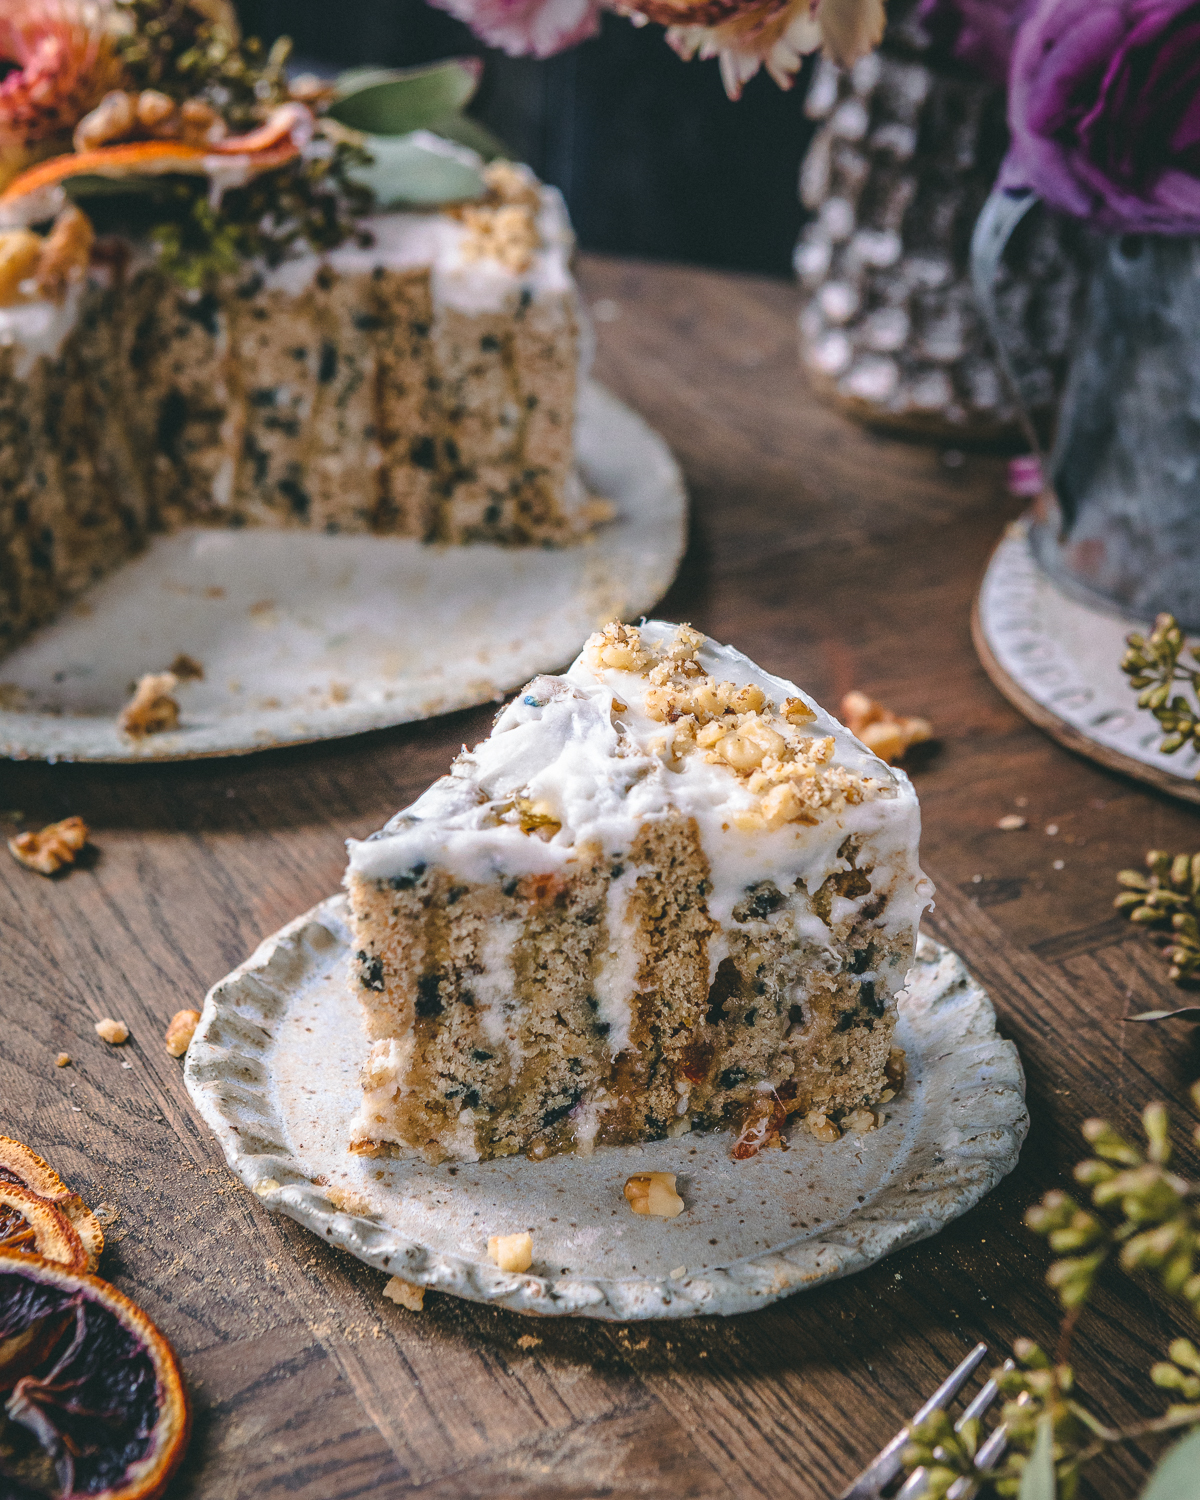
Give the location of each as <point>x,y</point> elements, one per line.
<point>1153,667</point>
<point>1168,899</point>
<point>1143,1217</point>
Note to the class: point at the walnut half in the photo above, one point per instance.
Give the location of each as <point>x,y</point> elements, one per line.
<point>654,1193</point>
<point>55,846</point>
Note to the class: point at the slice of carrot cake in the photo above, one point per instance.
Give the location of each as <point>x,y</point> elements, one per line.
<point>668,892</point>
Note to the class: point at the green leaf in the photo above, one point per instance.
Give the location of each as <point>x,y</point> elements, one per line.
<point>466,131</point>
<point>382,101</point>
<point>1177,1476</point>
<point>1037,1477</point>
<point>405,170</point>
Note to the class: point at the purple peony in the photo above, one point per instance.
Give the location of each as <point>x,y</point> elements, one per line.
<point>979,33</point>
<point>537,28</point>
<point>1104,110</point>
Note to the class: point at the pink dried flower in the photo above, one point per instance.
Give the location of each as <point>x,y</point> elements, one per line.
<point>536,28</point>
<point>64,64</point>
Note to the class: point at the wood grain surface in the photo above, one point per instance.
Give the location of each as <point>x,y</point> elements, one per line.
<point>832,556</point>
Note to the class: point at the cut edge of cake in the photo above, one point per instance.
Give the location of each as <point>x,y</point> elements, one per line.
<point>669,892</point>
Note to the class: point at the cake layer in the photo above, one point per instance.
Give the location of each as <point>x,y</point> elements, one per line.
<point>414,386</point>
<point>668,892</point>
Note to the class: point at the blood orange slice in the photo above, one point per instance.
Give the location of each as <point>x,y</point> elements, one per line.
<point>33,1226</point>
<point>95,1404</point>
<point>25,1168</point>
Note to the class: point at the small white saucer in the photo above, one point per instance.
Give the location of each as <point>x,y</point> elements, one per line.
<point>274,1070</point>
<point>1057,658</point>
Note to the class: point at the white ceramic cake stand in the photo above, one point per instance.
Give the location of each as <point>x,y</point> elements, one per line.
<point>1057,658</point>
<point>306,637</point>
<point>274,1070</point>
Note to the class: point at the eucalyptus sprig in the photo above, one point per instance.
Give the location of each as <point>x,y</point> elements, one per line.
<point>1144,1219</point>
<point>1152,664</point>
<point>1169,897</point>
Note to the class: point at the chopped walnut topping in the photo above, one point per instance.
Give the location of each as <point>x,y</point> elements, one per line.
<point>618,647</point>
<point>180,1030</point>
<point>66,251</point>
<point>151,710</point>
<point>405,1294</point>
<point>113,1032</point>
<point>508,234</point>
<point>820,1125</point>
<point>20,250</point>
<point>55,846</point>
<point>508,184</point>
<point>654,1193</point>
<point>880,730</point>
<point>511,1252</point>
<point>348,1200</point>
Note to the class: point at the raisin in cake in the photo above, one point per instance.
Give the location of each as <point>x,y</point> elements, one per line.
<point>668,892</point>
<point>418,380</point>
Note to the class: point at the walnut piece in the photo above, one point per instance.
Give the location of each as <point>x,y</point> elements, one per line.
<point>654,1193</point>
<point>113,1032</point>
<point>880,730</point>
<point>151,710</point>
<point>113,119</point>
<point>66,252</point>
<point>405,1293</point>
<point>618,647</point>
<point>186,667</point>
<point>820,1125</point>
<point>63,1060</point>
<point>20,250</point>
<point>511,1252</point>
<point>180,1030</point>
<point>860,1121</point>
<point>55,846</point>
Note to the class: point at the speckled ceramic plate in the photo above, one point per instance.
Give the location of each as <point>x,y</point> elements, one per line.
<point>307,637</point>
<point>274,1070</point>
<point>1057,658</point>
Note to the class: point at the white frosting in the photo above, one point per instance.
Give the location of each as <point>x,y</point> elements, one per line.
<point>493,990</point>
<point>560,744</point>
<point>616,975</point>
<point>36,330</point>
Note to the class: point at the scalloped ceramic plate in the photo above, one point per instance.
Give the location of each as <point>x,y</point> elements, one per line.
<point>274,1067</point>
<point>308,637</point>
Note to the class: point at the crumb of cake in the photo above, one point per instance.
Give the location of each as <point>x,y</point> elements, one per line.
<point>511,1252</point>
<point>527,1341</point>
<point>820,1125</point>
<point>762,1127</point>
<point>348,1200</point>
<point>405,1294</point>
<point>52,848</point>
<point>860,1121</point>
<point>881,731</point>
<point>63,1060</point>
<point>180,1030</point>
<point>1011,822</point>
<point>151,710</point>
<point>20,250</point>
<point>113,1032</point>
<point>186,668</point>
<point>66,253</point>
<point>896,1068</point>
<point>654,1193</point>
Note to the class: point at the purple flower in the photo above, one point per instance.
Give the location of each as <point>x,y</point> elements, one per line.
<point>979,33</point>
<point>1104,110</point>
<point>528,27</point>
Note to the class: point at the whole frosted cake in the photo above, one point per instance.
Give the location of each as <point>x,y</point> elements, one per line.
<point>668,892</point>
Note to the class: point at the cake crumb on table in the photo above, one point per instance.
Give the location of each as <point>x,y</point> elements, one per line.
<point>180,1031</point>
<point>405,1294</point>
<point>654,1193</point>
<point>511,1252</point>
<point>53,847</point>
<point>1011,822</point>
<point>151,710</point>
<point>113,1032</point>
<point>527,1341</point>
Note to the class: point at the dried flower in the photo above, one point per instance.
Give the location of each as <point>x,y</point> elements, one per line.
<point>528,28</point>
<point>1168,897</point>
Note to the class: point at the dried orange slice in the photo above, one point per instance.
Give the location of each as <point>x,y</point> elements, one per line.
<point>34,1227</point>
<point>25,1168</point>
<point>95,1394</point>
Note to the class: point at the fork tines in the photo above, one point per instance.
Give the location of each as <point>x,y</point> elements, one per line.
<point>879,1473</point>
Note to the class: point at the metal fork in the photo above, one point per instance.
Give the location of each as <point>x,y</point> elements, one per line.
<point>884,1467</point>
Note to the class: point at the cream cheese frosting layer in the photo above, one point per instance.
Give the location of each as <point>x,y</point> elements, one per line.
<point>575,764</point>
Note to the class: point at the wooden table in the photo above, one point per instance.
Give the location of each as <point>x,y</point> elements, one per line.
<point>829,555</point>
